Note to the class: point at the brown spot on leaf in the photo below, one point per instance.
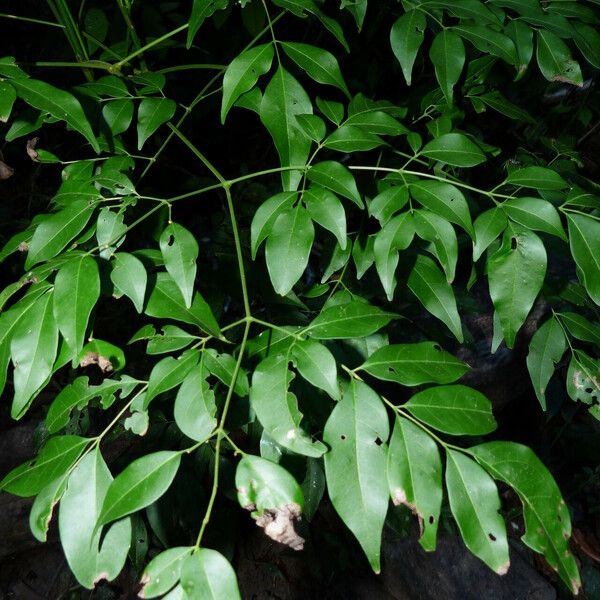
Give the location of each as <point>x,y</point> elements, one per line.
<point>31,151</point>
<point>100,577</point>
<point>503,570</point>
<point>93,358</point>
<point>5,170</point>
<point>23,247</point>
<point>279,525</point>
<point>145,580</point>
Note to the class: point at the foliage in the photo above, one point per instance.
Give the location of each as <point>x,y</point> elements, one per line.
<point>283,335</point>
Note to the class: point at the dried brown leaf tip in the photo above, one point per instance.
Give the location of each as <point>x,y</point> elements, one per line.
<point>93,358</point>
<point>31,151</point>
<point>279,525</point>
<point>5,170</point>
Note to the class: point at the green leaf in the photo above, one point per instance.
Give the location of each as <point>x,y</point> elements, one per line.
<point>387,203</point>
<point>325,208</point>
<point>288,248</point>
<point>337,178</point>
<point>535,213</point>
<point>222,366</point>
<point>447,53</point>
<point>169,373</point>
<point>414,364</point>
<point>277,408</point>
<point>166,301</point>
<point>584,240</point>
<point>499,103</point>
<point>141,483</point>
<point>414,473</point>
<point>429,285</point>
<point>522,36</point>
<point>488,40</point>
<point>442,236</point>
<point>355,319</point>
<point>43,507</point>
<point>55,458</point>
<point>242,74</point>
<point>317,365</point>
<point>207,574</point>
<point>453,409</point>
<point>475,503</point>
<point>180,252</point>
<point>58,103</point>
<point>110,232</point>
<point>33,348</point>
<point>163,571</point>
<point>488,226</point>
<point>516,273</point>
<point>171,339</point>
<point>152,113</point>
<point>76,291</point>
<point>129,278</point>
<point>357,8</point>
<point>580,328</point>
<point>363,254</point>
<point>445,200</point>
<point>56,230</point>
<point>355,465</point>
<point>319,64</point>
<point>266,215</point>
<point>313,126</point>
<point>284,98</point>
<point>118,115</point>
<point>454,149</point>
<point>546,348</point>
<point>538,178</point>
<point>351,138</point>
<point>8,95</point>
<point>90,556</point>
<point>406,37</point>
<point>202,10</point>
<point>395,236</point>
<point>547,519</point>
<point>377,121</point>
<point>195,407</point>
<point>334,111</point>
<point>587,39</point>
<point>554,59</point>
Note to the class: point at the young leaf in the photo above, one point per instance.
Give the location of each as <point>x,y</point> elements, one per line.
<point>265,217</point>
<point>414,364</point>
<point>139,485</point>
<point>222,366</point>
<point>516,273</point>
<point>387,203</point>
<point>8,95</point>
<point>554,59</point>
<point>454,149</point>
<point>334,111</point>
<point>195,406</point>
<point>313,126</point>
<point>547,519</point>
<point>90,556</point>
<point>475,503</point>
<point>110,231</point>
<point>584,240</point>
<point>337,178</point>
<point>171,339</point>
<point>488,40</point>
<point>180,251</point>
<point>76,291</point>
<point>56,230</point>
<point>539,178</point>
<point>242,74</point>
<point>355,319</point>
<point>546,348</point>
<point>129,278</point>
<point>277,408</point>
<point>166,301</point>
<point>284,98</point>
<point>395,236</point>
<point>325,208</point>
<point>163,572</point>
<point>406,37</point>
<point>351,138</point>
<point>152,113</point>
<point>414,473</point>
<point>447,53</point>
<point>429,285</point>
<point>33,349</point>
<point>118,115</point>
<point>169,373</point>
<point>445,200</point>
<point>317,365</point>
<point>356,432</point>
<point>288,248</point>
<point>377,121</point>
<point>536,214</point>
<point>319,64</point>
<point>442,236</point>
<point>208,574</point>
<point>60,104</point>
<point>453,409</point>
<point>488,226</point>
